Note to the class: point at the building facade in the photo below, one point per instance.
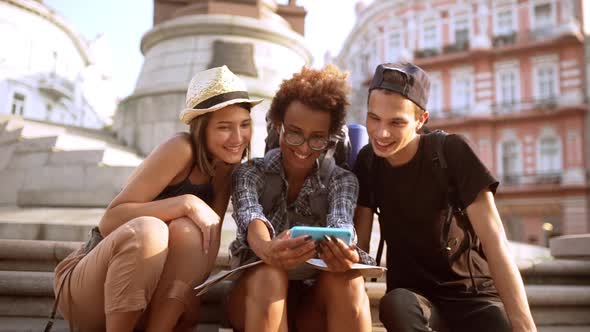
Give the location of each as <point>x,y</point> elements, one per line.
<point>48,72</point>
<point>510,76</point>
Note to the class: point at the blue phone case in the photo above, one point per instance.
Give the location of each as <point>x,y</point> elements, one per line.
<point>317,233</point>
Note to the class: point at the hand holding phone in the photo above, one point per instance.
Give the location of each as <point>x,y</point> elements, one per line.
<point>318,233</point>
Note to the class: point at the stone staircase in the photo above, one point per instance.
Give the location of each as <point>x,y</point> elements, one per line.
<point>44,164</point>
<point>558,289</point>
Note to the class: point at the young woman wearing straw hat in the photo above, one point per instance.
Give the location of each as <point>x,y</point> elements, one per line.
<point>162,231</point>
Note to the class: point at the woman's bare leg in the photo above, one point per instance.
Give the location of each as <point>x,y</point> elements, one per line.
<point>258,301</point>
<point>343,298</point>
<point>186,265</point>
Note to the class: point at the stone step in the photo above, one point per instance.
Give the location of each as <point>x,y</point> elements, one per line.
<point>30,294</point>
<point>40,307</point>
<point>42,256</point>
<point>6,152</point>
<point>77,157</point>
<point>10,136</point>
<point>29,324</point>
<point>571,246</point>
<point>563,328</point>
<point>567,272</point>
<point>78,177</point>
<point>42,231</point>
<point>558,271</point>
<point>3,124</point>
<point>65,197</point>
<point>37,144</point>
<point>26,284</point>
<point>538,295</point>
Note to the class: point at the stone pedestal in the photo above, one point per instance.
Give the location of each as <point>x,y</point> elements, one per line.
<point>261,52</point>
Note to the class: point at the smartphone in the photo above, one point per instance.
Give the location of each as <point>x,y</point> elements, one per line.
<point>317,233</point>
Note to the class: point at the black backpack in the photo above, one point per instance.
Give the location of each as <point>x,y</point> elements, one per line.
<point>457,237</point>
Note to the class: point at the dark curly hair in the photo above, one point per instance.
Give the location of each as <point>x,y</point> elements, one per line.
<point>325,89</point>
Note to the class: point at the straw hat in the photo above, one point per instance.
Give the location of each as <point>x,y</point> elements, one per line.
<point>214,89</point>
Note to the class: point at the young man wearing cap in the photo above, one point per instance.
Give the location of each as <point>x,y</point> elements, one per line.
<point>433,282</point>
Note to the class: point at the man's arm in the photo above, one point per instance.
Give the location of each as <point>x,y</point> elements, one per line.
<point>488,227</point>
<point>363,223</point>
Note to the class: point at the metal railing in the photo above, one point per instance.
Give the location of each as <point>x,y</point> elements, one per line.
<point>506,108</point>
<point>57,86</point>
<point>506,39</point>
<point>552,177</point>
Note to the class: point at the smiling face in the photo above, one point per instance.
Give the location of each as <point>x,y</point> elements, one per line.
<point>392,126</point>
<point>309,123</point>
<point>228,133</point>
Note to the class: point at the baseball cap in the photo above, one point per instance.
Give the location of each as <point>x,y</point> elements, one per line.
<point>415,84</point>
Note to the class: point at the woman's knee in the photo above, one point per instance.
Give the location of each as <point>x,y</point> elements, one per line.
<point>266,282</point>
<point>350,284</point>
<point>185,234</point>
<point>151,233</point>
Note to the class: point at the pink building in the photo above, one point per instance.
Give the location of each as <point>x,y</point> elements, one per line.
<point>510,76</point>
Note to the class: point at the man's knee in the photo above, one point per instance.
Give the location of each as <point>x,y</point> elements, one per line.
<point>399,309</point>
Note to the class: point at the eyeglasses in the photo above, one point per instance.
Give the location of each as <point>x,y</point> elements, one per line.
<point>316,143</point>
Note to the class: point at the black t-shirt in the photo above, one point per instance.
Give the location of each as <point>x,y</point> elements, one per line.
<point>411,199</point>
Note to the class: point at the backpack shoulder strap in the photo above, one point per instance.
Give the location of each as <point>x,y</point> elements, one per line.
<point>319,200</point>
<point>273,184</point>
<point>440,167</point>
<point>371,168</point>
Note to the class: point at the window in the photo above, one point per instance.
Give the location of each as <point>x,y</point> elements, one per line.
<point>546,81</point>
<point>549,155</point>
<point>429,37</point>
<point>373,55</point>
<point>543,15</point>
<point>18,104</point>
<point>504,24</point>
<point>507,86</point>
<point>434,106</point>
<point>514,228</point>
<point>49,112</point>
<point>462,93</point>
<point>394,45</point>
<point>462,31</point>
<point>510,161</point>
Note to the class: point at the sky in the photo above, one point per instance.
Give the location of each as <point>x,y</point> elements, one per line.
<point>123,23</point>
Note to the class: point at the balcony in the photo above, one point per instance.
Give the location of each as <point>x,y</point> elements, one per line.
<point>456,47</point>
<point>426,53</point>
<point>539,104</point>
<point>541,178</point>
<point>504,39</point>
<point>506,110</point>
<point>539,34</point>
<point>56,86</point>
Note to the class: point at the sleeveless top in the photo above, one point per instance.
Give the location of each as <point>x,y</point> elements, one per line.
<point>203,191</point>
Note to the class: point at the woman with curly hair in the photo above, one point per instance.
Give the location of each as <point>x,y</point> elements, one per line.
<point>160,235</point>
<point>272,194</point>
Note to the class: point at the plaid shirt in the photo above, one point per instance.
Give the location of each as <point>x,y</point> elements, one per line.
<point>248,187</point>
